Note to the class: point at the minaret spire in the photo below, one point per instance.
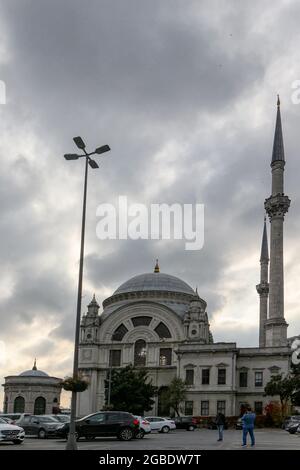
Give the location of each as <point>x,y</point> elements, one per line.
<point>278,148</point>
<point>263,287</point>
<point>276,207</point>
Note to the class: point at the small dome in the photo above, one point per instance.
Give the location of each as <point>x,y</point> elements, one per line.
<point>33,373</point>
<point>154,282</point>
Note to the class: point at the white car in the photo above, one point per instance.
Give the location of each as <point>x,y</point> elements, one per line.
<point>145,427</point>
<point>10,432</point>
<point>161,424</point>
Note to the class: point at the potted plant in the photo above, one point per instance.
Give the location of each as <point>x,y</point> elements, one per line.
<point>75,384</point>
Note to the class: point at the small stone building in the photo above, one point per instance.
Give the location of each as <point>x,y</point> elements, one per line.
<point>33,391</point>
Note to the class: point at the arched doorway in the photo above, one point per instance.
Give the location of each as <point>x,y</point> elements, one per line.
<point>19,405</point>
<point>39,406</point>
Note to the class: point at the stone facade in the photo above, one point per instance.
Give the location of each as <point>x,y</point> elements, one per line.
<point>33,392</point>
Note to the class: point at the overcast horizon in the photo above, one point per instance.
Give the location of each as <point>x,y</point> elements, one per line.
<point>186,98</point>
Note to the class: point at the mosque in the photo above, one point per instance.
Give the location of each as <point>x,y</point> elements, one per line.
<point>157,321</point>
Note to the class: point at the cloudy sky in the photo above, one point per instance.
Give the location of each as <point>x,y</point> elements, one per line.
<point>184,92</point>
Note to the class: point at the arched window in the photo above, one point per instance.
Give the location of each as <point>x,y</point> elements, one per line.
<point>163,331</point>
<point>39,406</point>
<point>140,353</point>
<point>5,408</point>
<point>19,405</point>
<point>119,333</point>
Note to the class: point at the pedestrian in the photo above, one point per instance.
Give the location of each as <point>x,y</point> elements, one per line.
<point>220,422</point>
<point>248,420</point>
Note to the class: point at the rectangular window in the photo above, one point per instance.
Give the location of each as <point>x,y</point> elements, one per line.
<point>189,377</point>
<point>115,357</point>
<point>244,379</point>
<point>258,379</point>
<point>165,356</point>
<point>205,376</point>
<point>258,407</point>
<point>188,408</point>
<point>205,408</point>
<point>221,406</point>
<point>221,376</point>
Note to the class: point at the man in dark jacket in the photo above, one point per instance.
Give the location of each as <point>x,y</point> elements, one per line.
<point>220,422</point>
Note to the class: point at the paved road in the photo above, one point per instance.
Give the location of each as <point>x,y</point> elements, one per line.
<point>203,439</point>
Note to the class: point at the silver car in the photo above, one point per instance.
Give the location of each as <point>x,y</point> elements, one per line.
<point>10,432</point>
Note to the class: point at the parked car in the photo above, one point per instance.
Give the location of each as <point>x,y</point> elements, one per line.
<point>159,424</point>
<point>185,422</point>
<point>293,427</point>
<point>239,424</point>
<point>8,420</point>
<point>120,424</point>
<point>145,427</point>
<point>290,422</point>
<point>11,432</point>
<point>14,416</point>
<point>60,418</point>
<point>42,426</point>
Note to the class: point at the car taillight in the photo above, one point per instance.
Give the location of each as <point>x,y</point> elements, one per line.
<point>136,422</point>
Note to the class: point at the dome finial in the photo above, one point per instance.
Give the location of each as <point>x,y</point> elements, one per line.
<point>34,365</point>
<point>278,101</point>
<point>156,269</point>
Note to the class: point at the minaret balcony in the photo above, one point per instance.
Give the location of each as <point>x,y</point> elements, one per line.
<point>277,206</point>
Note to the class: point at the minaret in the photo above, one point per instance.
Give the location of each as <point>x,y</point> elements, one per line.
<point>276,206</point>
<point>263,287</point>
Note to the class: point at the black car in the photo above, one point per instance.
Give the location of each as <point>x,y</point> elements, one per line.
<point>185,422</point>
<point>120,424</point>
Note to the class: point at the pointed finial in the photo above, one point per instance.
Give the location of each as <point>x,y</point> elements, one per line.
<point>196,290</point>
<point>264,255</point>
<point>278,148</point>
<point>156,268</point>
<point>34,365</point>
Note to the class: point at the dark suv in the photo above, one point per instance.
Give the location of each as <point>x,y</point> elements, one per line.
<point>104,423</point>
<point>185,422</point>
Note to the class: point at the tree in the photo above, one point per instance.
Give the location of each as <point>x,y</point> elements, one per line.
<point>286,388</point>
<point>131,390</point>
<point>175,394</point>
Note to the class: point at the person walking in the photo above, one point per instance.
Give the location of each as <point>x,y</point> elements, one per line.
<point>248,420</point>
<point>220,422</point>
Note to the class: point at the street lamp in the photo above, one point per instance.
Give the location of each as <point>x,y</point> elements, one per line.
<point>71,443</point>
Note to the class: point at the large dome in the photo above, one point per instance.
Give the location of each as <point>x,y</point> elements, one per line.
<point>154,282</point>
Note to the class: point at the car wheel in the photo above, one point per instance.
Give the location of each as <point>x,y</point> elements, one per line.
<point>42,434</point>
<point>165,429</point>
<point>140,434</point>
<point>125,434</point>
<point>17,441</point>
<point>191,428</point>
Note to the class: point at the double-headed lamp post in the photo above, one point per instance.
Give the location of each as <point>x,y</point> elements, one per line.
<point>71,443</point>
